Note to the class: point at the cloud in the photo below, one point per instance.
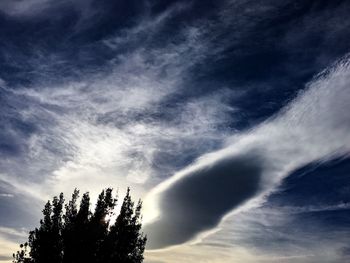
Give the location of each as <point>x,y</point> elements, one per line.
<point>141,115</point>
<point>212,253</point>
<point>19,7</point>
<point>127,126</point>
<point>206,253</point>
<point>8,242</point>
<point>312,127</point>
<point>6,195</point>
<point>12,233</point>
<point>19,207</point>
<point>279,234</point>
<point>31,9</point>
<point>346,251</point>
<point>195,203</point>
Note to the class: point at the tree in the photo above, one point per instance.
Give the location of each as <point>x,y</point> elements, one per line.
<point>22,255</point>
<point>124,242</point>
<point>78,235</point>
<point>100,222</point>
<point>55,232</point>
<point>76,232</point>
<point>69,231</point>
<point>41,240</point>
<point>129,243</point>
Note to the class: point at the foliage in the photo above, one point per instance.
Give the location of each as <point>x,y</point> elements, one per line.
<point>70,235</point>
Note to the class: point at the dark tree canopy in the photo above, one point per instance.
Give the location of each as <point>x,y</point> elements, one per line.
<point>68,234</point>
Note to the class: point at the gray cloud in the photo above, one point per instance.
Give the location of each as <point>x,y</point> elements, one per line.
<point>312,127</point>
<point>5,258</point>
<point>32,9</point>
<point>100,129</point>
<point>126,123</point>
<point>17,209</point>
<point>197,202</point>
<point>19,7</point>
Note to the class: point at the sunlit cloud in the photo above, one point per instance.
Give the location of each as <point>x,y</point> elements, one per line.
<point>156,101</point>
<point>312,127</point>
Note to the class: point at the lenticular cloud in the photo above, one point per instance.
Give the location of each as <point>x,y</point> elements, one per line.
<point>313,127</point>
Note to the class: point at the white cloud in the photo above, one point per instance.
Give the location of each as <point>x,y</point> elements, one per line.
<point>7,243</point>
<point>20,7</point>
<point>6,195</point>
<point>105,130</point>
<point>28,9</point>
<point>312,127</point>
<point>97,130</point>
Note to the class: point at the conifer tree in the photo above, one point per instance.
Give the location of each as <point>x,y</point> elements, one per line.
<point>127,244</point>
<point>77,235</point>
<point>69,233</point>
<point>100,221</point>
<point>56,230</point>
<point>82,244</point>
<point>40,240</point>
<point>21,256</point>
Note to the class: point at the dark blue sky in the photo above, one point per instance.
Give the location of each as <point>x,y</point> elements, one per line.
<point>229,118</point>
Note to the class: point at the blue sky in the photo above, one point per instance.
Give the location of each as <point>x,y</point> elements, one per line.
<point>228,118</point>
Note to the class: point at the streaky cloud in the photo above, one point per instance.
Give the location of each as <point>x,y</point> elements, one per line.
<point>312,127</point>
<point>115,125</point>
<point>31,9</point>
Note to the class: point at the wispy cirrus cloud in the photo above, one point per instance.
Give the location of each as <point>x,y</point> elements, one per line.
<point>8,241</point>
<point>135,105</point>
<point>312,127</point>
<point>30,9</point>
<point>126,123</point>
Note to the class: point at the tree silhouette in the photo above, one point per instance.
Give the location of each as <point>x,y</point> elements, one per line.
<point>78,235</point>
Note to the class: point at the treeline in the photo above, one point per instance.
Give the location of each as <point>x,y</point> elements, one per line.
<point>77,235</point>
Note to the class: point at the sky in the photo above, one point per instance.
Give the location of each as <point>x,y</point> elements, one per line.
<point>229,119</point>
